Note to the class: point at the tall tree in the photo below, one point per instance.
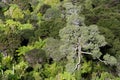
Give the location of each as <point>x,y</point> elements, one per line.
<point>79,39</point>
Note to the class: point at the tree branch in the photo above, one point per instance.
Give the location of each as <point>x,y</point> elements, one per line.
<point>78,50</point>
<point>86,53</point>
<point>102,60</point>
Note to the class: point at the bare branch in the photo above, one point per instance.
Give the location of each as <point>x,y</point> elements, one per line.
<point>79,56</point>
<point>102,60</point>
<point>86,53</point>
<point>77,66</point>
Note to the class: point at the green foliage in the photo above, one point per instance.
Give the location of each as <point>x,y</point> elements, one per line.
<point>52,70</point>
<point>52,13</point>
<point>86,67</point>
<point>69,35</point>
<point>51,25</point>
<point>15,25</point>
<point>9,43</point>
<point>20,67</point>
<point>10,37</point>
<point>14,12</point>
<point>38,45</point>
<point>35,56</point>
<point>92,34</point>
<point>22,50</point>
<point>76,39</point>
<point>88,4</point>
<point>63,76</point>
<point>52,49</point>
<point>36,76</point>
<point>110,59</point>
<point>54,40</point>
<point>53,3</point>
<point>106,15</point>
<point>6,61</point>
<point>66,76</point>
<point>112,24</point>
<point>33,53</point>
<point>44,8</point>
<point>3,7</point>
<point>12,26</point>
<point>49,29</point>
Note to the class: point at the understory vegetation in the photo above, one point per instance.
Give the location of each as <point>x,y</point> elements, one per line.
<point>59,39</point>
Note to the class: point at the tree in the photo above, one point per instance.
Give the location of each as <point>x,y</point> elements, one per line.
<point>77,39</point>
<point>106,15</point>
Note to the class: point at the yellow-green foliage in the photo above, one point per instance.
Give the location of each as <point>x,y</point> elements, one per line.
<point>14,26</point>
<point>52,70</point>
<point>52,2</point>
<point>6,60</point>
<point>87,67</point>
<point>38,45</point>
<point>20,68</point>
<point>65,76</point>
<point>88,4</point>
<point>14,12</point>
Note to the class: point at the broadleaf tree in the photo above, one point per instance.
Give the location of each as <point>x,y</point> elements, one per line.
<point>78,40</point>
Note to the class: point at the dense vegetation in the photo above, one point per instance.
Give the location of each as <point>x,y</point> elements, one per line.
<point>60,40</point>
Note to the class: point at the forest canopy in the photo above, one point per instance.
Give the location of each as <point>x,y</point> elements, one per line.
<point>59,39</point>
